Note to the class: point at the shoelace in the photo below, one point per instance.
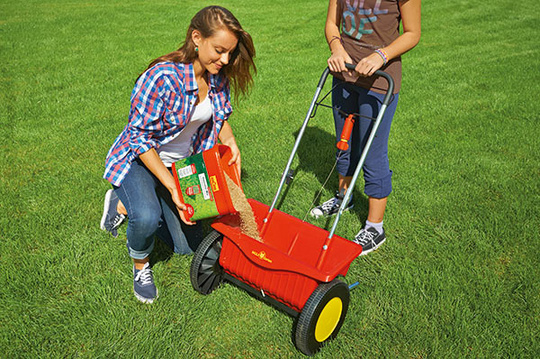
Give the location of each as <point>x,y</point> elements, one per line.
<point>364,237</point>
<point>144,275</point>
<point>329,204</point>
<point>117,220</point>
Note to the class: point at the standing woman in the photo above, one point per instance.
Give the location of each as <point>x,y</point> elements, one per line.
<point>366,33</point>
<point>179,107</point>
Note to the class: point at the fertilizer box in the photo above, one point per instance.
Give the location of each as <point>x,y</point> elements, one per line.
<point>201,183</point>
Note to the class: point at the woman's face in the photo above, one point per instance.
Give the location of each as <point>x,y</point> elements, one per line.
<point>215,51</point>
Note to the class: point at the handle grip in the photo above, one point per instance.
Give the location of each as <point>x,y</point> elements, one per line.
<point>387,77</point>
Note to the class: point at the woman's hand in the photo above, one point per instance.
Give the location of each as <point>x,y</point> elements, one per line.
<point>236,158</point>
<point>410,18</point>
<point>181,207</point>
<point>337,61</point>
<point>339,57</point>
<point>369,64</point>
<point>154,164</point>
<point>227,138</point>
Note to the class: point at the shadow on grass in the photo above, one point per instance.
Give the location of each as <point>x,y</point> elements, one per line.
<point>161,253</point>
<point>316,154</point>
<point>164,251</point>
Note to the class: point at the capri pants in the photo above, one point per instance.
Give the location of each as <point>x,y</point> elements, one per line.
<point>350,98</point>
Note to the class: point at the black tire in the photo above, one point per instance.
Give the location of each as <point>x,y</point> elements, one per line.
<point>206,273</point>
<point>314,329</point>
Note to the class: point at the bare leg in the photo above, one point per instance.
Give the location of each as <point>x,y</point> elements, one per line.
<point>344,182</point>
<point>120,208</point>
<point>377,206</point>
<point>139,263</point>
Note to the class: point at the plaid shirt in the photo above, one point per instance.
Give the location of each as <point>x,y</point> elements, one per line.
<point>162,103</point>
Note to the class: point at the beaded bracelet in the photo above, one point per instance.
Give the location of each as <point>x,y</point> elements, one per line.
<point>382,54</point>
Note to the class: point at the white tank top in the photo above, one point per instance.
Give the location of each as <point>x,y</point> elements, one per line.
<point>179,146</point>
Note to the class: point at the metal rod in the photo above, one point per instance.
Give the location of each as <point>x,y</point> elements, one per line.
<point>298,138</point>
<point>348,194</point>
<point>380,115</point>
<point>322,80</point>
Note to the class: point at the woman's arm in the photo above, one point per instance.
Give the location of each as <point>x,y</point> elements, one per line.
<point>339,56</point>
<point>155,165</point>
<point>227,138</point>
<point>411,23</point>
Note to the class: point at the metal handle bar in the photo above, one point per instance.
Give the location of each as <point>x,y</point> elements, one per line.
<point>388,78</point>
<point>367,146</point>
<point>320,85</point>
<point>381,73</point>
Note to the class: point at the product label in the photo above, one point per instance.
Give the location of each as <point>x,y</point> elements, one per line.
<point>214,183</point>
<point>193,190</point>
<point>204,186</point>
<point>195,187</point>
<point>187,171</point>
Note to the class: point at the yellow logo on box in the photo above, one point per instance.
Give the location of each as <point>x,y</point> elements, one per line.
<point>214,183</point>
<point>262,256</point>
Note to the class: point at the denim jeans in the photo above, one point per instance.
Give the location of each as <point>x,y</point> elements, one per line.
<point>151,211</point>
<point>350,98</point>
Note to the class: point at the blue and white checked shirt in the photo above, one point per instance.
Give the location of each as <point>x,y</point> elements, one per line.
<point>162,103</point>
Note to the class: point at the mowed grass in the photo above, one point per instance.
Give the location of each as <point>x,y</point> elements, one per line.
<point>458,276</point>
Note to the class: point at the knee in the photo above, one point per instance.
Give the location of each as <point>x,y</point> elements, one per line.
<point>378,187</point>
<point>145,220</point>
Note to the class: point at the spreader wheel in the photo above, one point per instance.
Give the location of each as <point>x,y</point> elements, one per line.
<point>206,273</point>
<point>322,316</point>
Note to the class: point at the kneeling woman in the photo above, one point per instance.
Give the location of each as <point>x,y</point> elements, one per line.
<point>179,107</point>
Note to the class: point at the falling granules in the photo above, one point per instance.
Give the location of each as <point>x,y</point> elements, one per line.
<point>240,203</point>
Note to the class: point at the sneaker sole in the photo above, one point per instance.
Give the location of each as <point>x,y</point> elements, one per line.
<point>317,216</point>
<point>372,249</point>
<point>145,300</point>
<point>106,205</point>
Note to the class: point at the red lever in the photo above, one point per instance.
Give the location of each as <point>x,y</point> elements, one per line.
<point>343,143</point>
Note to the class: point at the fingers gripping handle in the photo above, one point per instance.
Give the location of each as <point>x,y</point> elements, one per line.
<point>388,78</point>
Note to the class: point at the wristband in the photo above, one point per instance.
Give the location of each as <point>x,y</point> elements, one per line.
<point>335,38</point>
<point>383,55</point>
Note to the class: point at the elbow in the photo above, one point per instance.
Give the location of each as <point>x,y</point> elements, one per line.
<point>416,38</point>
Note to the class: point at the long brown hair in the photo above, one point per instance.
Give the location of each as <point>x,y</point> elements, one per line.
<point>207,21</point>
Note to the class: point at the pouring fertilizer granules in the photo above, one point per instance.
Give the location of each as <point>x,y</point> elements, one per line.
<point>210,187</point>
<point>240,203</point>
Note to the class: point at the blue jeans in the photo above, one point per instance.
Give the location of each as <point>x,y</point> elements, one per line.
<point>151,211</point>
<point>354,99</point>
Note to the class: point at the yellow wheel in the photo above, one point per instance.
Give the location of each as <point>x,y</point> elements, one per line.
<point>322,316</point>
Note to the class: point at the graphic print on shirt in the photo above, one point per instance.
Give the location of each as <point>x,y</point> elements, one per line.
<point>356,17</point>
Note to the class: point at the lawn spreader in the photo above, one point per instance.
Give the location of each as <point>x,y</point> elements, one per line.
<point>296,266</point>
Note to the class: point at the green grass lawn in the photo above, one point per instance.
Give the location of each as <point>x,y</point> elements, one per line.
<point>458,276</point>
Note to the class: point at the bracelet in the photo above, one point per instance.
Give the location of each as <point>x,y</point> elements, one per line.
<point>335,38</point>
<point>382,54</point>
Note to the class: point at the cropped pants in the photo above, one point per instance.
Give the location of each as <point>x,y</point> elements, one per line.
<point>350,98</point>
